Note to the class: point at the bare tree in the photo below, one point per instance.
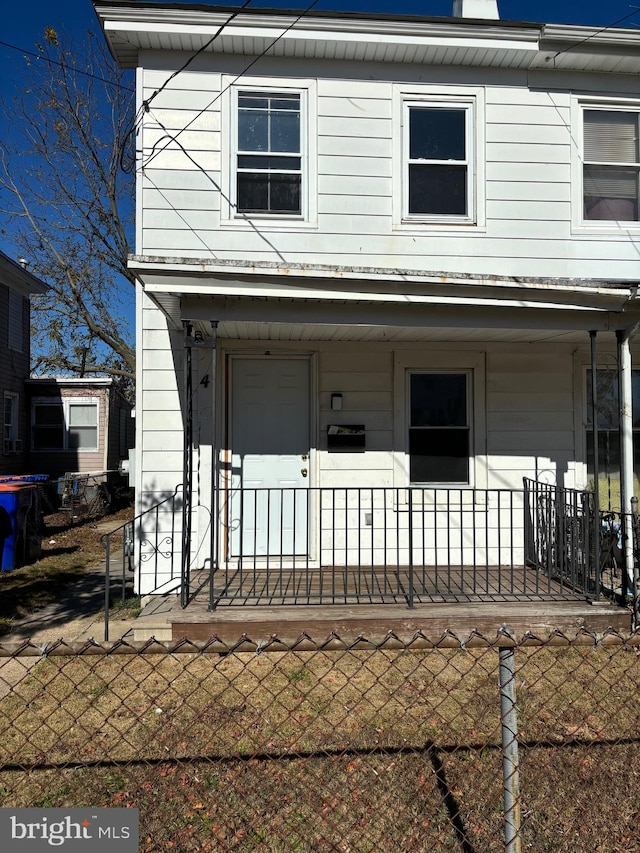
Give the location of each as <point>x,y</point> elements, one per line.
<point>68,204</point>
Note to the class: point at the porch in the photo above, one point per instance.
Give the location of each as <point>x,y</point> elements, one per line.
<point>290,561</point>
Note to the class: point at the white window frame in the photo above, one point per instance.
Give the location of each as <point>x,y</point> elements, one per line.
<point>472,101</point>
<point>67,403</point>
<point>12,427</point>
<point>229,215</point>
<point>468,374</point>
<point>438,361</point>
<point>579,106</point>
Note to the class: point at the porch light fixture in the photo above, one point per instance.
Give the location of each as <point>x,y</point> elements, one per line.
<point>336,402</point>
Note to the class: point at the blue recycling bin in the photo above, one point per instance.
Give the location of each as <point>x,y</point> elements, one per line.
<point>19,515</point>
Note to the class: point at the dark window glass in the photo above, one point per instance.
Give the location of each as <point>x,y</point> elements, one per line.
<point>268,193</point>
<point>439,433</point>
<point>436,134</point>
<point>439,456</point>
<point>48,427</point>
<point>438,189</point>
<point>438,170</point>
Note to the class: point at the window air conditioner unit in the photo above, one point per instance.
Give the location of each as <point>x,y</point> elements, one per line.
<point>12,446</point>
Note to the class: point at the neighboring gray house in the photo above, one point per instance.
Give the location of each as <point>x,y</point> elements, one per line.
<point>16,286</point>
<point>377,259</point>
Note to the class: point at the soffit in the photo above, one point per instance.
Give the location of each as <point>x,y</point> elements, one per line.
<point>388,39</point>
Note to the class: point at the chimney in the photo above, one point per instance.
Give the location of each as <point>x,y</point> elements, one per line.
<point>476,9</point>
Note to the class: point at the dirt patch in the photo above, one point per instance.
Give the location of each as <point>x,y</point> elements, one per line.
<point>71,547</point>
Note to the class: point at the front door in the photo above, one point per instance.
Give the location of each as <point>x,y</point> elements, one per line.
<point>270,457</point>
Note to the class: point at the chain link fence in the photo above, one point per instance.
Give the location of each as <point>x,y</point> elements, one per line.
<point>431,745</point>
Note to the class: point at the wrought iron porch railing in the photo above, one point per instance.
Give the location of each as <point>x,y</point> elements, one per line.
<point>375,545</point>
<point>147,540</point>
<point>569,541</point>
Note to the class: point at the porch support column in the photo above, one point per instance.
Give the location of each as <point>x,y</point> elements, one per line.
<point>215,483</point>
<point>187,464</point>
<point>596,471</point>
<point>625,397</point>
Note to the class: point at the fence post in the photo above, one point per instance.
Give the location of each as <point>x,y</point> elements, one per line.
<point>107,590</point>
<point>510,761</point>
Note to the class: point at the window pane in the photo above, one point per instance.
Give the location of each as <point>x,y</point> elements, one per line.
<point>83,438</point>
<point>268,193</point>
<point>285,132</point>
<point>436,134</point>
<point>85,414</point>
<point>48,415</point>
<point>611,136</point>
<point>611,193</point>
<point>253,192</point>
<point>256,161</point>
<point>438,399</point>
<point>439,455</point>
<point>438,189</point>
<point>253,130</point>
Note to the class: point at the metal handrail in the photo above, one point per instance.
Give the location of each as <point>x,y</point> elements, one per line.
<point>127,530</point>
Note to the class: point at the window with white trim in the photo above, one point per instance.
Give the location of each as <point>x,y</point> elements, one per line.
<point>438,158</point>
<point>608,415</point>
<point>439,439</point>
<point>611,165</point>
<point>69,424</point>
<point>10,416</point>
<point>269,157</point>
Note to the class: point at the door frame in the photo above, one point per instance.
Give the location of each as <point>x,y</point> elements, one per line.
<point>226,453</point>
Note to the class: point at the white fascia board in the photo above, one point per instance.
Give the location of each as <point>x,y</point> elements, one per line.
<point>194,289</point>
<point>146,270</point>
<point>526,40</point>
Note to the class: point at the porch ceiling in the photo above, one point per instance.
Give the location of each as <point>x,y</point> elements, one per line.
<point>393,334</point>
<point>252,319</point>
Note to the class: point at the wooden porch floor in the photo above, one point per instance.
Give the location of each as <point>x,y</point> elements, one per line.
<point>379,585</point>
<point>370,603</point>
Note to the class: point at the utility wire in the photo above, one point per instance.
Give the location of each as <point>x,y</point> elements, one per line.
<point>44,58</point>
<point>205,46</point>
<point>598,32</point>
<point>256,59</point>
<point>222,194</point>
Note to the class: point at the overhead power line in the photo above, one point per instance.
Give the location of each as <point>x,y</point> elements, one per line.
<point>256,59</point>
<point>44,58</point>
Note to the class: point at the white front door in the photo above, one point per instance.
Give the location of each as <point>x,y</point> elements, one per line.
<point>269,508</point>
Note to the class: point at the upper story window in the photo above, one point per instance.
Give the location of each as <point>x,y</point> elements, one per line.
<point>269,153</point>
<point>438,159</point>
<point>611,165</point>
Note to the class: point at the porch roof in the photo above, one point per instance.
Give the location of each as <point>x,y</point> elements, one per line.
<point>358,303</point>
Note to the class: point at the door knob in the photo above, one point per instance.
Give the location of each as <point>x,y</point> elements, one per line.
<point>304,472</point>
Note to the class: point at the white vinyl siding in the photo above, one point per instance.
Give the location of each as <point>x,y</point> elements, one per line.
<point>16,321</point>
<point>528,218</point>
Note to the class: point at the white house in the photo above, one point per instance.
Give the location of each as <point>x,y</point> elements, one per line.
<point>380,261</point>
